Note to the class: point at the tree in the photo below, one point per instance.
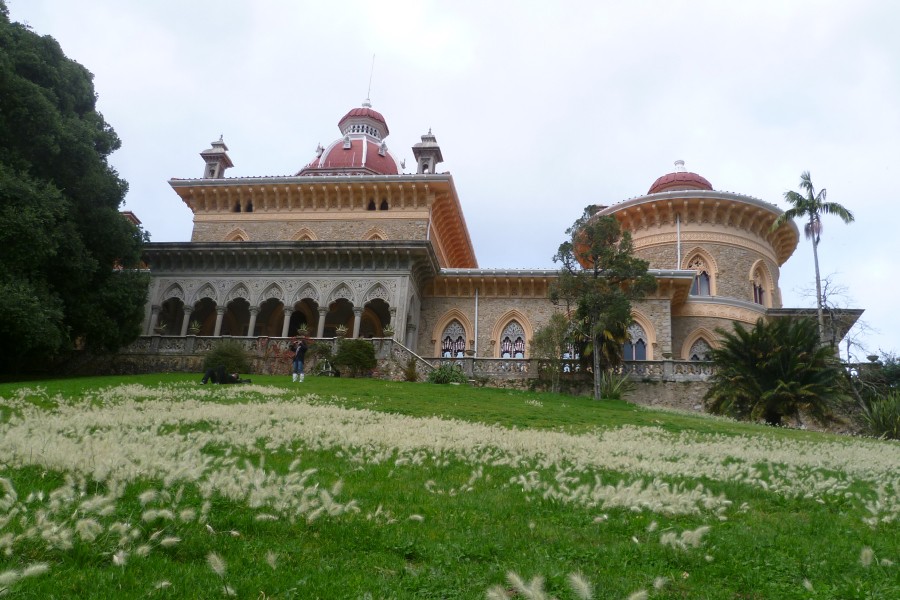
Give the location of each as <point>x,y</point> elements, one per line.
<point>600,278</point>
<point>812,206</point>
<point>549,344</point>
<point>60,227</point>
<point>773,371</point>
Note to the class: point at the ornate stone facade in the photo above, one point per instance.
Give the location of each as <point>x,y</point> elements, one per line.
<point>356,242</point>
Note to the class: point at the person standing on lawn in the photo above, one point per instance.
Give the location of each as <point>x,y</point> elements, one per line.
<point>300,348</point>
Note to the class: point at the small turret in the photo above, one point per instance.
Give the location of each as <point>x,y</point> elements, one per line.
<point>427,154</point>
<point>216,160</point>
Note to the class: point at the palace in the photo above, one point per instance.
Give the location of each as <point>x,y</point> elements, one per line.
<point>353,242</point>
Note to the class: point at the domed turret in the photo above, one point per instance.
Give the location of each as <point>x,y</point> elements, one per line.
<point>361,150</point>
<point>680,179</point>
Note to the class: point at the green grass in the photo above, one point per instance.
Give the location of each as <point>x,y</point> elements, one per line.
<point>473,519</point>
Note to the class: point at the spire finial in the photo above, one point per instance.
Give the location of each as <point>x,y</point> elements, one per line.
<point>368,103</point>
<point>679,166</point>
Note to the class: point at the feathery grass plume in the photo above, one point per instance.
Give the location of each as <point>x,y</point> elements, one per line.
<point>639,595</point>
<point>120,558</point>
<point>808,585</point>
<point>496,592</point>
<point>88,529</point>
<point>886,562</point>
<point>216,563</point>
<point>35,569</point>
<point>580,586</point>
<point>7,578</point>
<point>168,542</point>
<point>272,559</point>
<point>516,582</point>
<point>652,527</point>
<point>162,584</point>
<point>143,551</point>
<point>265,517</point>
<point>660,582</point>
<point>187,515</point>
<point>865,557</point>
<point>228,591</point>
<point>147,496</point>
<point>418,518</point>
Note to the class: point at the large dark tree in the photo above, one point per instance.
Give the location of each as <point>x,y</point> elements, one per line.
<point>68,261</point>
<point>774,370</point>
<point>598,280</point>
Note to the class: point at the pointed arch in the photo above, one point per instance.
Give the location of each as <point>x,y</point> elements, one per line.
<point>305,235</point>
<point>375,233</point>
<point>454,314</point>
<point>649,332</point>
<point>238,291</point>
<point>173,291</point>
<point>377,291</point>
<point>308,291</point>
<point>501,324</point>
<point>342,291</point>
<point>272,291</point>
<point>206,291</point>
<point>701,260</point>
<point>762,284</point>
<point>701,333</point>
<point>237,235</point>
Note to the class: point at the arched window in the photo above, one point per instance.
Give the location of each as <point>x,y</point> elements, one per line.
<point>759,290</point>
<point>636,346</point>
<point>371,205</point>
<point>384,205</point>
<point>512,341</point>
<point>701,286</point>
<point>453,340</point>
<point>700,350</point>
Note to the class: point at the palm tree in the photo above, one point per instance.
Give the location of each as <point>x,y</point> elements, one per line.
<point>812,206</point>
<point>772,371</point>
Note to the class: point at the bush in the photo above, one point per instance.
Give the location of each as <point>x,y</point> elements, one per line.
<point>355,358</point>
<point>410,373</point>
<point>229,353</point>
<point>882,416</point>
<point>447,374</point>
<point>613,386</point>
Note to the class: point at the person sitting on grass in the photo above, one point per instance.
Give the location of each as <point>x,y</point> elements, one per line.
<point>218,375</point>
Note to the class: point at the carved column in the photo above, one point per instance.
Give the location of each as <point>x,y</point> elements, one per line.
<point>251,329</point>
<point>220,314</point>
<point>320,330</point>
<point>154,318</point>
<point>186,321</point>
<point>357,320</point>
<point>288,311</point>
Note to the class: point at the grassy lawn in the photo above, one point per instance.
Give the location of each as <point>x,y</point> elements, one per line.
<point>157,487</point>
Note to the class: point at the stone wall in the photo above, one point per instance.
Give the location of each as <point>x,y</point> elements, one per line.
<point>493,314</point>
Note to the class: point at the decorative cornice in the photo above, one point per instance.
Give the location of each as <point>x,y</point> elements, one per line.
<point>707,208</point>
<point>385,257</point>
<point>431,196</point>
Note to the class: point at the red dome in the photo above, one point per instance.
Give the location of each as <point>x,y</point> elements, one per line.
<point>680,180</point>
<point>364,112</point>
<point>362,157</point>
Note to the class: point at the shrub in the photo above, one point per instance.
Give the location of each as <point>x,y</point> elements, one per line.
<point>882,416</point>
<point>447,374</point>
<point>774,370</point>
<point>614,386</point>
<point>355,358</point>
<point>410,373</point>
<point>229,353</point>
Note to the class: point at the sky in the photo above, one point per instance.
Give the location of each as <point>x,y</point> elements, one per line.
<point>540,109</point>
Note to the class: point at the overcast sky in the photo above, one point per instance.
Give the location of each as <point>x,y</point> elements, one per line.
<point>540,108</point>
